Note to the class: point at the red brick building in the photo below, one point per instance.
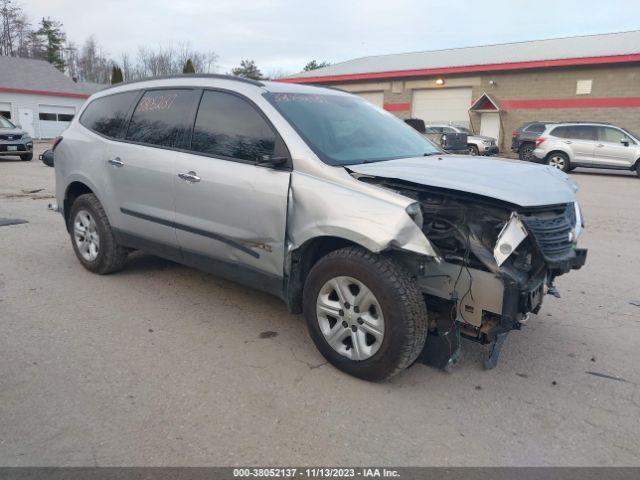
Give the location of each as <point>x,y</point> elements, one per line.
<point>496,88</point>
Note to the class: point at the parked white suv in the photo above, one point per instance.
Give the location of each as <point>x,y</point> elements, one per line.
<point>324,200</point>
<point>594,145</point>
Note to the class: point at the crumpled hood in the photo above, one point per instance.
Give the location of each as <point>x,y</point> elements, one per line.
<point>520,183</point>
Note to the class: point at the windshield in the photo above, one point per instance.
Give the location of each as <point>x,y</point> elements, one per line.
<point>4,123</point>
<point>347,130</point>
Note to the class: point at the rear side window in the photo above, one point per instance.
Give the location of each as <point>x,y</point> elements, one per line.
<point>107,115</point>
<point>228,126</point>
<point>162,118</point>
<point>576,132</point>
<point>536,128</point>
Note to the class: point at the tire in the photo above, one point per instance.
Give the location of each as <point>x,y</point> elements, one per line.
<point>525,152</point>
<point>26,157</point>
<point>402,314</point>
<point>473,150</point>
<point>106,256</point>
<point>638,168</point>
<point>559,160</point>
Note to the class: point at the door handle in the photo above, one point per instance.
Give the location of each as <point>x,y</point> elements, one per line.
<point>568,142</point>
<point>600,145</point>
<point>116,162</point>
<point>191,177</point>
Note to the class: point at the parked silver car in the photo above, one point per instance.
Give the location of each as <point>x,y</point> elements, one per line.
<point>478,144</point>
<point>319,197</point>
<point>566,146</point>
<point>14,141</point>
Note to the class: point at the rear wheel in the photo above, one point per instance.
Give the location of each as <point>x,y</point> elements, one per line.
<point>364,313</point>
<point>525,152</point>
<point>559,160</point>
<point>92,236</point>
<point>26,157</point>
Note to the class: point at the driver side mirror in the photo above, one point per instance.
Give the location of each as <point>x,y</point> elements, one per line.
<point>18,125</point>
<point>624,142</point>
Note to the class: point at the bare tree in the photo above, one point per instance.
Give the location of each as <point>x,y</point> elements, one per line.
<point>94,64</point>
<point>12,20</point>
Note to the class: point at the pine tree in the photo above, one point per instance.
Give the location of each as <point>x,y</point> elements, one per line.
<point>188,67</point>
<point>248,69</point>
<point>116,75</point>
<point>53,39</point>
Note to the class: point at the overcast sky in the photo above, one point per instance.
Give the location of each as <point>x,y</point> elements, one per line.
<point>285,34</point>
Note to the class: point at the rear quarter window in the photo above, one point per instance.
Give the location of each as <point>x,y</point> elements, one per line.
<point>108,115</point>
<point>162,118</point>
<point>536,128</point>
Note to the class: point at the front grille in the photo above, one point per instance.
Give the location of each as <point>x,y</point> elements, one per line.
<point>551,231</point>
<point>11,137</point>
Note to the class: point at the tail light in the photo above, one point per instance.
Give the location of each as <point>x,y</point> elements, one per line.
<point>514,133</point>
<point>56,142</point>
<point>539,140</point>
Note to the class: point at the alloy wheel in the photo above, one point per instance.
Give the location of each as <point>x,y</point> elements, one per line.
<point>85,234</point>
<point>558,161</point>
<point>350,318</point>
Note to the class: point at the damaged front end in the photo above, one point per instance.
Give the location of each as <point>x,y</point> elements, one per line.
<point>497,261</point>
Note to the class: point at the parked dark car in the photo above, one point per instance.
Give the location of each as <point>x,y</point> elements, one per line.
<point>450,142</point>
<point>523,139</point>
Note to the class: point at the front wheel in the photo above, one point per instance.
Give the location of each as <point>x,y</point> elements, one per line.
<point>92,236</point>
<point>559,160</point>
<point>364,313</point>
<point>473,150</point>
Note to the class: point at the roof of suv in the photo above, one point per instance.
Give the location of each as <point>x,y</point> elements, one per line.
<point>202,80</point>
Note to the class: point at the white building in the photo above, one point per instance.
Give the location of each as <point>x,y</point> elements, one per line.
<point>38,97</point>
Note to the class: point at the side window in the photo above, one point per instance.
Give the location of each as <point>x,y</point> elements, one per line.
<point>613,135</point>
<point>560,132</point>
<point>584,133</point>
<point>229,126</point>
<point>448,130</point>
<point>536,128</point>
<point>162,118</point>
<point>107,115</point>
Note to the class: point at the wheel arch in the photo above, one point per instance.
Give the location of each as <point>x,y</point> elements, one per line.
<point>73,191</point>
<point>300,261</point>
<point>557,150</point>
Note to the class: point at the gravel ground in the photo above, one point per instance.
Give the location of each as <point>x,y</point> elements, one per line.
<point>164,365</point>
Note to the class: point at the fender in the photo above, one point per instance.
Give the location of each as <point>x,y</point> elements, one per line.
<point>318,208</point>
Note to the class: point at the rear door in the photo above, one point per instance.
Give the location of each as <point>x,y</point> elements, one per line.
<point>230,210</point>
<point>614,148</point>
<point>581,142</point>
<point>141,168</point>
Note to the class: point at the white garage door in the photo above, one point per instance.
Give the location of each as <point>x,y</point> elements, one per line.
<point>5,110</point>
<point>54,119</point>
<point>377,98</point>
<point>442,106</point>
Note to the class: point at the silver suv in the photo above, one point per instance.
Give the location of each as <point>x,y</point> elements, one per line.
<point>595,145</point>
<point>478,144</point>
<point>324,200</point>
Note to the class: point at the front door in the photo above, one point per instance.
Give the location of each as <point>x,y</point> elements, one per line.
<point>228,209</point>
<point>490,125</point>
<point>25,119</point>
<point>141,169</point>
<point>614,148</point>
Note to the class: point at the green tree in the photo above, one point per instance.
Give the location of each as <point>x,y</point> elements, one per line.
<point>188,67</point>
<point>314,65</point>
<point>116,75</point>
<point>248,69</point>
<point>53,41</point>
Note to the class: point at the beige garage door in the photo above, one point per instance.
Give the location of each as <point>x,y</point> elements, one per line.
<point>377,98</point>
<point>442,106</point>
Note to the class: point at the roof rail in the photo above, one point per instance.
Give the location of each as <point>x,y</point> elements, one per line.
<point>191,75</point>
